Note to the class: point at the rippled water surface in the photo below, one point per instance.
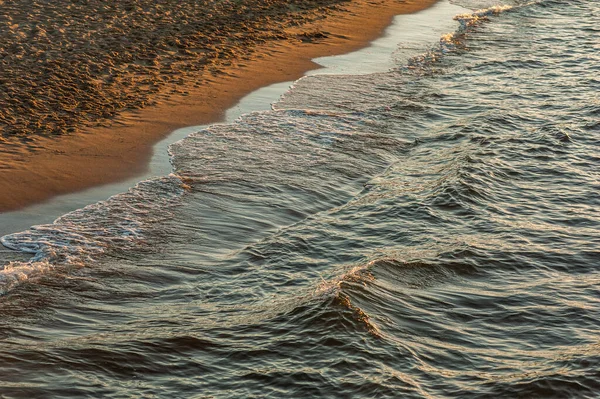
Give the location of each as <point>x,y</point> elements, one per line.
<point>428,232</point>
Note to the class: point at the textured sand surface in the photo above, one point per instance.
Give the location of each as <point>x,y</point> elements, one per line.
<point>87,87</point>
<point>68,63</point>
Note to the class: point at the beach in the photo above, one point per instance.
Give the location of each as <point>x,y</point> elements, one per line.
<point>417,218</point>
<point>86,96</point>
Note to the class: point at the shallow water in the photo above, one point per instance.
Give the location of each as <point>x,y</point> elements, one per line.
<point>431,231</point>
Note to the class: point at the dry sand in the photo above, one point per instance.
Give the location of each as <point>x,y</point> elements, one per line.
<point>76,112</point>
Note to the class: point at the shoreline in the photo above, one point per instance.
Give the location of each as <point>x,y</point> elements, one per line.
<point>48,167</point>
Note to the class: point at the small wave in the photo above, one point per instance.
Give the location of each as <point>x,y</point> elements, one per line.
<point>470,19</point>
<point>451,42</point>
<point>14,273</point>
<point>80,236</point>
<point>331,287</point>
<point>333,290</point>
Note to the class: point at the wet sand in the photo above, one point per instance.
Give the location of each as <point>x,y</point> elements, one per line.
<point>84,152</point>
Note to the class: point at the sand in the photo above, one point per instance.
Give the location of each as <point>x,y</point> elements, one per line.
<point>80,107</point>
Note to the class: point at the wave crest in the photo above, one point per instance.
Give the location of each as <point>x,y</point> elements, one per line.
<point>78,237</point>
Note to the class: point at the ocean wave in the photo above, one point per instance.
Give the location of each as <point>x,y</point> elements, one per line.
<point>79,237</point>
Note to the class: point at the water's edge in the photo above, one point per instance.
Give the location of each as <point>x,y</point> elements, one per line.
<point>414,30</point>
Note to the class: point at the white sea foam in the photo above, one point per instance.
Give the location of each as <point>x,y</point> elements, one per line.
<point>80,236</point>
<point>450,42</point>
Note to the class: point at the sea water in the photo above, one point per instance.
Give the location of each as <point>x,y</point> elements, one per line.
<point>432,230</point>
